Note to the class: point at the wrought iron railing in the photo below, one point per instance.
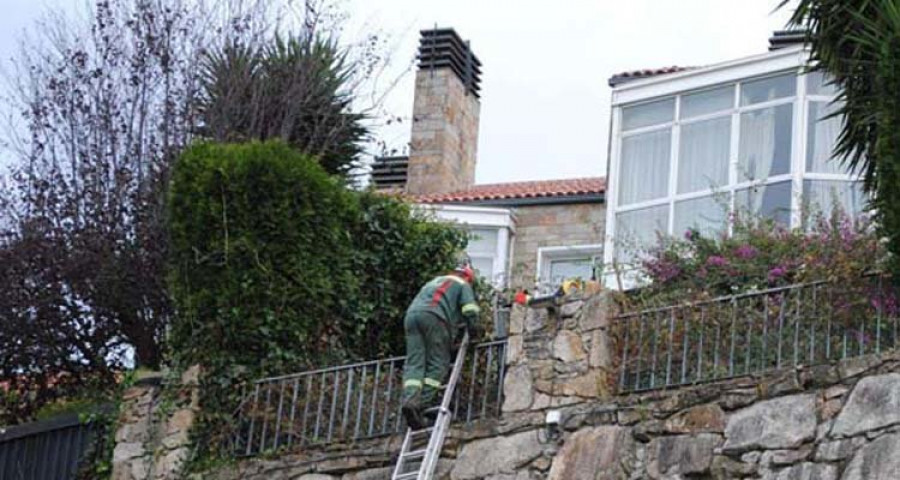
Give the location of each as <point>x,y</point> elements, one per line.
<point>354,402</point>
<point>803,324</point>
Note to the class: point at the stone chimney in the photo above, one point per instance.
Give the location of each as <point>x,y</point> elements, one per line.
<point>444,139</point>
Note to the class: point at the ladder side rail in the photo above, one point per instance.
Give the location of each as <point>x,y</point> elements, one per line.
<point>436,442</point>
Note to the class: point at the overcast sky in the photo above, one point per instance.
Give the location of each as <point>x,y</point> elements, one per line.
<point>545,100</point>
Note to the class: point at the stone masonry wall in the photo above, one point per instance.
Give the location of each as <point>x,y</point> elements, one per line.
<point>444,137</point>
<point>153,434</point>
<point>552,226</point>
<point>826,422</point>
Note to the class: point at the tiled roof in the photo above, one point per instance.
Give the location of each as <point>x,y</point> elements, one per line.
<point>623,77</point>
<point>521,190</point>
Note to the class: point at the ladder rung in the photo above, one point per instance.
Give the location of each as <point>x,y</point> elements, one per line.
<point>414,454</point>
<point>423,431</point>
<point>405,476</point>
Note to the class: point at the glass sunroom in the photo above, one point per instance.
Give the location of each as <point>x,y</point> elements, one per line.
<point>688,148</point>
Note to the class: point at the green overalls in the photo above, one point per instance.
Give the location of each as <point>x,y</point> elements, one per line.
<point>440,309</point>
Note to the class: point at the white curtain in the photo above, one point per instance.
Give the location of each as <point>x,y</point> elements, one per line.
<point>770,201</point>
<point>765,143</point>
<point>823,134</point>
<point>706,214</point>
<point>703,155</point>
<point>638,229</point>
<point>822,196</point>
<point>644,166</point>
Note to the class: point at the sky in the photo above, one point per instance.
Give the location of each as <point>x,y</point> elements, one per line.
<point>545,99</point>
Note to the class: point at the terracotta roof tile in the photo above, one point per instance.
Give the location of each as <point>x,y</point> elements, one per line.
<point>517,190</point>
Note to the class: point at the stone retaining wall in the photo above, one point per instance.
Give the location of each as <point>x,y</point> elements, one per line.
<point>826,422</point>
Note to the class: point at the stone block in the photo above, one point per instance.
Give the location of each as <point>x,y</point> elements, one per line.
<point>492,456</point>
<point>515,352</point>
<point>707,418</point>
<point>570,309</point>
<point>517,319</point>
<point>727,468</point>
<point>785,457</point>
<point>594,453</point>
<point>567,347</point>
<point>874,403</point>
<point>340,465</point>
<point>518,393</point>
<point>536,319</point>
<point>126,451</point>
<point>601,352</point>
<point>804,471</point>
<point>837,450</point>
<point>588,385</point>
<point>169,465</point>
<point>784,422</point>
<point>681,455</point>
<point>878,460</point>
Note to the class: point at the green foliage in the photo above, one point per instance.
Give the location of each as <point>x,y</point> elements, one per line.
<point>298,90</point>
<point>277,268</point>
<point>858,43</point>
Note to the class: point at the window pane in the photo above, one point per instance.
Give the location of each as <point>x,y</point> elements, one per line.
<point>645,166</point>
<point>561,270</point>
<point>710,101</point>
<point>819,84</point>
<point>769,201</point>
<point>706,214</point>
<point>767,89</point>
<point>823,133</point>
<point>482,241</point>
<point>484,266</point>
<point>638,229</point>
<point>765,143</point>
<point>703,155</point>
<point>821,196</point>
<point>654,113</point>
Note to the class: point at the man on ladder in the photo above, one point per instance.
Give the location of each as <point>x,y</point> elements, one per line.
<point>442,307</point>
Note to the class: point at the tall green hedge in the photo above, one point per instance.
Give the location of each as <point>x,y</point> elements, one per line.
<point>276,267</point>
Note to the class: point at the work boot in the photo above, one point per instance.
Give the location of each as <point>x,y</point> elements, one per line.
<point>413,416</point>
<point>412,412</point>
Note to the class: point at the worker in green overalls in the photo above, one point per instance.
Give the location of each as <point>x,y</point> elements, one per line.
<point>442,308</point>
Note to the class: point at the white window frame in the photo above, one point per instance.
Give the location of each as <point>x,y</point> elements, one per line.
<point>545,255</point>
<point>788,60</point>
<point>483,218</point>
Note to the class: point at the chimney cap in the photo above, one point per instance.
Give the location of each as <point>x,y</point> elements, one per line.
<point>444,48</point>
<point>786,38</point>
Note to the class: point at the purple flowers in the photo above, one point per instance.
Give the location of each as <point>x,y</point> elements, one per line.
<point>776,273</point>
<point>662,270</point>
<point>745,252</point>
<point>716,261</point>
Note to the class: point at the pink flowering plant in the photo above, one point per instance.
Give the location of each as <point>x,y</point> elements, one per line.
<point>763,297</point>
<point>760,254</point>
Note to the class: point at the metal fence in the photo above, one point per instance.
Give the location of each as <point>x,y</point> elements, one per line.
<point>51,449</point>
<point>353,402</point>
<point>742,334</point>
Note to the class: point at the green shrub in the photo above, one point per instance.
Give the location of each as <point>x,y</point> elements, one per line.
<point>277,268</point>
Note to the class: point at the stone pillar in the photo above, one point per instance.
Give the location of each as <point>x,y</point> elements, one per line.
<point>444,137</point>
<point>153,434</point>
<point>559,354</point>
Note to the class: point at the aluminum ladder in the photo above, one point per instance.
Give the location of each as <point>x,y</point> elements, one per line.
<point>413,464</point>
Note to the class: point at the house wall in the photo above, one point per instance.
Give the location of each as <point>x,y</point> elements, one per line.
<point>552,226</point>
